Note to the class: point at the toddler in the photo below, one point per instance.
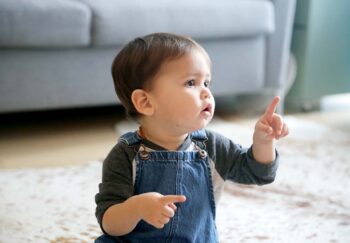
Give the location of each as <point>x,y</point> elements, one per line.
<point>162,182</point>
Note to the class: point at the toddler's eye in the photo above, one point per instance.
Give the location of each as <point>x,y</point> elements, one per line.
<point>190,83</point>
<point>207,84</point>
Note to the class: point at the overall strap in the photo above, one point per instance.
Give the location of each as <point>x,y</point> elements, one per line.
<point>199,137</point>
<point>130,138</point>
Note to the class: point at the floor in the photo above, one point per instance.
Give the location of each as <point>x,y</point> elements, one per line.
<point>69,137</point>
<point>57,138</point>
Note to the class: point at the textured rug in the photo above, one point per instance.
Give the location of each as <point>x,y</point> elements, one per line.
<point>308,202</point>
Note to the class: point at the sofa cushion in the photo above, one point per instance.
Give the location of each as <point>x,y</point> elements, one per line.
<point>118,21</point>
<point>44,23</point>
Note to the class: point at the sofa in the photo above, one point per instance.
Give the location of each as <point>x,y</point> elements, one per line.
<point>57,54</point>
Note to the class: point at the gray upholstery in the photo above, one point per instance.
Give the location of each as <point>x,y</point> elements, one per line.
<point>61,78</point>
<point>200,19</point>
<point>44,23</point>
<point>241,60</point>
<point>58,53</point>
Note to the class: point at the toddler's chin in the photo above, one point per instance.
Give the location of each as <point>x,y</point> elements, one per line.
<point>204,124</point>
<point>207,121</point>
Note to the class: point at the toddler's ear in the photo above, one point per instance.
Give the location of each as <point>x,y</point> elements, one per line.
<point>141,102</point>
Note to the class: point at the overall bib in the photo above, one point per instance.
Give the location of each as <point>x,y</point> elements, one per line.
<point>175,173</point>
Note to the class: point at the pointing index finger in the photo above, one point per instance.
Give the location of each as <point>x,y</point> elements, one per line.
<point>272,107</point>
<point>173,199</point>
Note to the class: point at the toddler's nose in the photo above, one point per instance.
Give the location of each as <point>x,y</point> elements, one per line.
<point>205,93</point>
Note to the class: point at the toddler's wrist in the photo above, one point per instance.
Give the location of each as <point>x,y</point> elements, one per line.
<point>258,141</point>
<point>135,204</point>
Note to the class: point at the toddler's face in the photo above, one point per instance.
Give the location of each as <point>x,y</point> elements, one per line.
<point>181,93</point>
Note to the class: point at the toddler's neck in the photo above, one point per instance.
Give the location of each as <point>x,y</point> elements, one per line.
<point>168,142</point>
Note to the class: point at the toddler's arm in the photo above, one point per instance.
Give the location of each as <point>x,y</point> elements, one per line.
<point>154,208</point>
<point>268,128</point>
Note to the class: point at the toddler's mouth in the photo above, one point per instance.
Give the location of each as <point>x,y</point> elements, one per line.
<point>208,108</point>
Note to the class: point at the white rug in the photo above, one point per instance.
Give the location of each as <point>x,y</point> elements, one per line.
<point>309,201</point>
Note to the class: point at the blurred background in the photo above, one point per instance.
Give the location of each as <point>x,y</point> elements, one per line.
<point>320,43</point>
<point>55,59</point>
<point>58,107</point>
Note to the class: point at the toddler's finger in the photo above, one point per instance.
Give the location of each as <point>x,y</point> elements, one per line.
<point>173,206</point>
<point>270,110</point>
<point>173,199</point>
<point>164,220</point>
<point>158,225</point>
<point>278,124</point>
<point>285,130</point>
<point>264,128</point>
<point>168,212</point>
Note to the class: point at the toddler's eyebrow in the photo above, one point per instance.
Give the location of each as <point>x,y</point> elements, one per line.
<point>208,75</point>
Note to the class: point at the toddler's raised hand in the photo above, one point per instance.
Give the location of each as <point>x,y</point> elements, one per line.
<point>271,125</point>
<point>157,209</point>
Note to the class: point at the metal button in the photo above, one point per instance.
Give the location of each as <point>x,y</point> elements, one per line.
<point>203,154</point>
<point>144,154</point>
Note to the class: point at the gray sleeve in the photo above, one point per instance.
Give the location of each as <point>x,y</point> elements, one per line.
<point>238,164</point>
<point>117,184</point>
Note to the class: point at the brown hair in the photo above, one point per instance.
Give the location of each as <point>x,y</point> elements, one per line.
<point>140,60</point>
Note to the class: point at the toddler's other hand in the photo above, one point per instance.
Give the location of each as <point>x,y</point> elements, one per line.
<point>157,209</point>
<point>271,125</point>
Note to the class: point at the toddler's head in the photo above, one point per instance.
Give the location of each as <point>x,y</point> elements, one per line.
<point>138,63</point>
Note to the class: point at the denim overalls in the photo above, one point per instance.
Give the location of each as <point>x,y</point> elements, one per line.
<point>175,173</point>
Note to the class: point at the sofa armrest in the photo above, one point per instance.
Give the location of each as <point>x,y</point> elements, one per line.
<point>278,45</point>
